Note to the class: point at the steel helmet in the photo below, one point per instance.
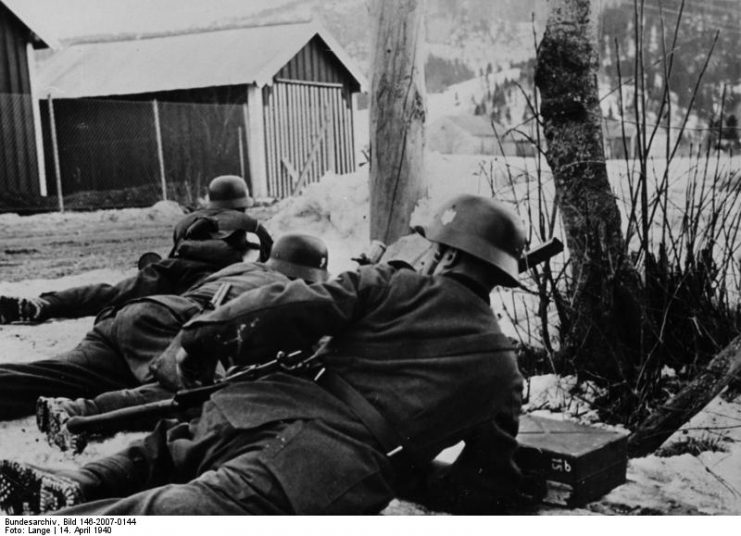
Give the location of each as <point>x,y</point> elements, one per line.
<point>482,227</point>
<point>229,191</point>
<point>300,256</point>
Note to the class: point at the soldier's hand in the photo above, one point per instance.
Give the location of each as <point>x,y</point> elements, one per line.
<point>193,371</point>
<point>164,367</point>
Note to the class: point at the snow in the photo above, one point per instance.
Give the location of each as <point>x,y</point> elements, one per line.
<point>336,209</point>
<point>77,18</point>
<point>460,98</point>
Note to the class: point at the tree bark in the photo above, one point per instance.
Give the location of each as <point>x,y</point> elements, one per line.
<point>666,420</point>
<point>605,331</point>
<point>397,116</point>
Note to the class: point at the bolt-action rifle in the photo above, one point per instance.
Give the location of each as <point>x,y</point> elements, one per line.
<point>114,421</point>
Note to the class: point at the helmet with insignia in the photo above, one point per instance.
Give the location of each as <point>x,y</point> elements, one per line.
<point>484,228</point>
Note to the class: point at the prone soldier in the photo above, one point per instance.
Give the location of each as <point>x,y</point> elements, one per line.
<point>126,336</point>
<point>416,363</point>
<point>293,256</point>
<point>203,242</point>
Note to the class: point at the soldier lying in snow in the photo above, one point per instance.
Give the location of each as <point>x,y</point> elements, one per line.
<point>203,242</point>
<point>146,331</point>
<point>417,363</point>
<point>116,352</point>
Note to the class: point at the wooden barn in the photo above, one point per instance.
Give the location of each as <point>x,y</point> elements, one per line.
<point>19,169</point>
<point>272,103</point>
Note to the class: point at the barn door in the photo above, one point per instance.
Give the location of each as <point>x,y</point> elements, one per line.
<point>308,132</point>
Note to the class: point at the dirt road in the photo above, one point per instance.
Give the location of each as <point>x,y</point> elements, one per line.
<point>54,245</point>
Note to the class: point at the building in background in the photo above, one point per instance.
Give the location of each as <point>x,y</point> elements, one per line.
<point>19,143</point>
<point>272,103</point>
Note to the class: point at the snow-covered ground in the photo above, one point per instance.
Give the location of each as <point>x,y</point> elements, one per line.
<point>337,210</point>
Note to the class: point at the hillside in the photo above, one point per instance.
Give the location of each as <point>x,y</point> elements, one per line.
<point>469,38</point>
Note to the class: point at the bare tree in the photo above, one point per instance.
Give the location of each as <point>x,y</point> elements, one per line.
<point>397,116</point>
<point>605,334</point>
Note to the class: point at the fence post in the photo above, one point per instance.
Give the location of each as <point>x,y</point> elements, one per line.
<point>241,152</point>
<point>55,151</point>
<point>255,131</point>
<point>160,150</point>
<point>36,113</point>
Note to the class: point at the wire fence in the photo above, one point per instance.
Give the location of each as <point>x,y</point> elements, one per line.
<point>104,153</point>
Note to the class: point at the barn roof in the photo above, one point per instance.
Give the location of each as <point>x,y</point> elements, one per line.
<point>185,61</point>
<point>20,8</point>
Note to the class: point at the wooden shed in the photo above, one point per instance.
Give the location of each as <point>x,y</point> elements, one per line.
<point>273,103</point>
<point>19,169</point>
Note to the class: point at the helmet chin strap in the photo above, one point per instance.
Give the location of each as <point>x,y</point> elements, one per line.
<point>443,259</point>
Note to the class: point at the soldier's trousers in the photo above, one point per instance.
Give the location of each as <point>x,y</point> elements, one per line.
<point>114,355</point>
<point>210,467</point>
<point>202,468</point>
<point>92,367</point>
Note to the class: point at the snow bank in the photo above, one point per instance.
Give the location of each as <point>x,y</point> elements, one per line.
<point>162,211</point>
<point>336,209</point>
<point>34,287</point>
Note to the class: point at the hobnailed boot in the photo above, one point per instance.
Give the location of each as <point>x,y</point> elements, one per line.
<point>27,490</point>
<point>52,415</point>
<point>14,309</point>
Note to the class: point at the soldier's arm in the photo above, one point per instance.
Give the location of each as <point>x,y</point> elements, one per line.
<point>282,316</point>
<point>156,278</point>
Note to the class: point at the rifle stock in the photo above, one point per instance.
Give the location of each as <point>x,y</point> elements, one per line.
<point>117,420</point>
<point>113,420</point>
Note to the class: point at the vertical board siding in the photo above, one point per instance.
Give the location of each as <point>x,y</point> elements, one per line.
<point>200,131</point>
<point>315,63</point>
<point>309,126</point>
<point>18,164</point>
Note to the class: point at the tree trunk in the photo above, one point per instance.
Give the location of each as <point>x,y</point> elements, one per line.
<point>397,115</point>
<point>666,420</point>
<point>605,331</point>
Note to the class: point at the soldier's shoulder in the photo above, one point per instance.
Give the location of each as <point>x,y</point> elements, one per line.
<point>387,274</point>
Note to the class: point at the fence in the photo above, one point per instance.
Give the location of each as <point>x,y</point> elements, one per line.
<point>105,152</point>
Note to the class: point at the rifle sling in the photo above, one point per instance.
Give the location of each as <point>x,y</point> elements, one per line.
<point>390,441</point>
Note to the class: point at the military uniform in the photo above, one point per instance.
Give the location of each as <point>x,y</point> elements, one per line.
<point>191,259</point>
<point>116,354</point>
<point>424,352</point>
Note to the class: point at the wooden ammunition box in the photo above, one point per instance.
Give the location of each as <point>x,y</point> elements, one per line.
<point>575,463</point>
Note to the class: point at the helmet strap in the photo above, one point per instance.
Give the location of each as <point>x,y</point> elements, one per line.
<point>445,258</point>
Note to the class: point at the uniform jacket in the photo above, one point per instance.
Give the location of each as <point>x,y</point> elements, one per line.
<point>426,352</point>
<point>226,218</point>
<point>146,326</point>
<point>195,260</point>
